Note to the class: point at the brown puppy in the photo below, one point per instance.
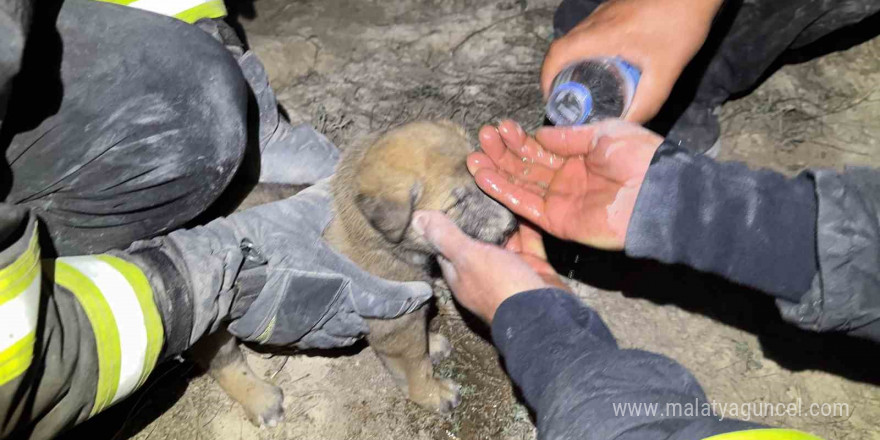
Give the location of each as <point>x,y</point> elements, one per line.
<point>377,187</point>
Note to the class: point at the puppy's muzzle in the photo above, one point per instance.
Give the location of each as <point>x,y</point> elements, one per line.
<point>483,218</point>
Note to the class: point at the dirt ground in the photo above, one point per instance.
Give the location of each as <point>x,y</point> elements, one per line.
<point>352,66</point>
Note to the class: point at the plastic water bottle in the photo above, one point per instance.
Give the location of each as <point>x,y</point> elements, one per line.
<point>592,90</point>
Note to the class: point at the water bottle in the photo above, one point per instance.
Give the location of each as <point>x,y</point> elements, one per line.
<point>592,90</point>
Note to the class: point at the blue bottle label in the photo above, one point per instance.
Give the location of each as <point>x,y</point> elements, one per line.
<point>570,104</point>
<point>629,70</point>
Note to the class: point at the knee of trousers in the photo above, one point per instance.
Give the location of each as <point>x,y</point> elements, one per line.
<point>169,77</point>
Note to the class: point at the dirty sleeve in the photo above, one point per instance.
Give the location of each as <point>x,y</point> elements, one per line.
<point>582,385</point>
<point>812,241</point>
<point>845,293</point>
<point>48,350</point>
<point>754,227</point>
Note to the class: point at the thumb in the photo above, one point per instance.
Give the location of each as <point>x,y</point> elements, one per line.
<point>444,235</point>
<point>583,139</point>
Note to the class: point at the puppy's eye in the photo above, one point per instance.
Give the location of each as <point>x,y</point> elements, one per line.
<point>457,196</point>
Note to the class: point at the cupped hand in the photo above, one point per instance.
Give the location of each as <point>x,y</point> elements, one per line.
<point>577,183</point>
<point>482,275</point>
<point>658,36</point>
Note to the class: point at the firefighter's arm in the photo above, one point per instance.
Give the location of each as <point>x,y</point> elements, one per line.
<point>77,334</point>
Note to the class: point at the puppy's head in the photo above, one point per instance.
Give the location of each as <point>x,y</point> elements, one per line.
<point>422,166</point>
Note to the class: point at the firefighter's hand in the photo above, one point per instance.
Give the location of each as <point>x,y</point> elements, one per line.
<point>658,36</point>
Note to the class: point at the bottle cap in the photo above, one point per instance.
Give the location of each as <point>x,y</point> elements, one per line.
<point>569,104</point>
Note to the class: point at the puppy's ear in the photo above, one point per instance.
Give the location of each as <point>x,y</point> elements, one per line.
<point>390,212</point>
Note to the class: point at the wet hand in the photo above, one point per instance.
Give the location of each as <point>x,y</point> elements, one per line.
<point>577,183</point>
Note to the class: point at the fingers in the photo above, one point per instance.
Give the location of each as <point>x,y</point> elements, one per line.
<point>508,148</point>
<point>522,202</point>
<point>491,143</point>
<point>545,271</point>
<point>524,147</point>
<point>479,160</point>
<point>531,242</point>
<point>439,230</point>
<point>514,243</point>
<point>448,269</point>
<point>584,139</point>
<point>567,141</point>
<point>536,182</point>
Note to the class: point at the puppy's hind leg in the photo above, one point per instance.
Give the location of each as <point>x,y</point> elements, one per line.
<point>220,355</point>
<point>402,346</point>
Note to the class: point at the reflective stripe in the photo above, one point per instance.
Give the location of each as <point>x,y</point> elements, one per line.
<point>103,326</point>
<point>119,303</point>
<point>152,318</point>
<point>765,434</point>
<point>12,277</point>
<point>211,9</point>
<point>189,11</point>
<point>19,311</point>
<point>19,315</point>
<point>16,359</point>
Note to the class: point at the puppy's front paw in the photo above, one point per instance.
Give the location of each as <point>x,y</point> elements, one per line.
<point>440,395</point>
<point>438,347</point>
<point>263,405</point>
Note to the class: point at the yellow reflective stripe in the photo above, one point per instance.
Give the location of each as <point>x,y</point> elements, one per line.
<point>103,326</point>
<point>152,318</point>
<point>765,434</point>
<point>189,11</point>
<point>211,9</point>
<point>19,322</point>
<point>19,310</point>
<point>16,277</point>
<point>16,359</point>
<point>119,2</point>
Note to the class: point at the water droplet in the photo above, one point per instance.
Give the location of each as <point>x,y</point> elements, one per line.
<point>571,273</point>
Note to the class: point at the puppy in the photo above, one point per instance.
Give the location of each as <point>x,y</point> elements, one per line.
<point>377,187</point>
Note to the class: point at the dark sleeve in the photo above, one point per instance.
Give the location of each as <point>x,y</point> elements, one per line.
<point>582,385</point>
<point>753,227</point>
<point>15,16</point>
<point>845,295</point>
